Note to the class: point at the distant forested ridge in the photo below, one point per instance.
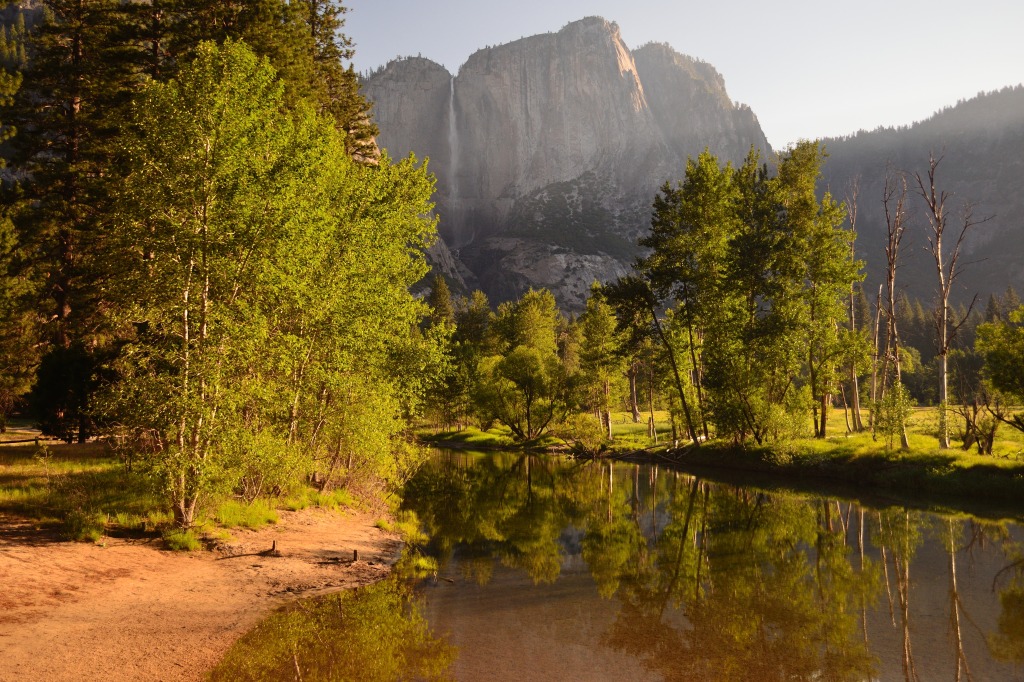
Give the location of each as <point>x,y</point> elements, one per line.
<point>980,142</point>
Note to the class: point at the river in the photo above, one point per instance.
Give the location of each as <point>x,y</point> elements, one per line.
<point>532,567</point>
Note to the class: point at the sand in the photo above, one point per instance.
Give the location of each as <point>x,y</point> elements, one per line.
<point>130,610</point>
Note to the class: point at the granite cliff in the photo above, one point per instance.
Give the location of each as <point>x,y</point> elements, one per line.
<point>548,151</point>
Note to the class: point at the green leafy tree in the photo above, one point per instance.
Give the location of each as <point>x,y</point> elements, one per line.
<point>691,229</point>
<point>67,113</point>
<point>756,353</point>
<point>442,311</point>
<point>246,231</point>
<point>525,385</point>
<point>829,271</point>
<point>636,305</point>
<point>336,88</point>
<point>1002,347</point>
<point>17,324</point>
<point>469,345</point>
<point>601,362</point>
<point>209,195</point>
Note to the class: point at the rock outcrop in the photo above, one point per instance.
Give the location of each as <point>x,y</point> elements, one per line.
<point>549,150</point>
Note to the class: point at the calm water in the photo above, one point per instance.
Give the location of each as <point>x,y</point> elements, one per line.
<point>538,568</point>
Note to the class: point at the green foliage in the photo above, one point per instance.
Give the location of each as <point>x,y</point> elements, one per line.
<point>526,386</point>
<point>178,540</point>
<point>893,412</point>
<point>259,344</point>
<point>206,217</point>
<point>602,370</point>
<point>584,432</point>
<point>1001,344</point>
<point>442,311</point>
<point>377,632</point>
<point>337,499</point>
<point>84,526</point>
<point>255,514</point>
<point>750,272</point>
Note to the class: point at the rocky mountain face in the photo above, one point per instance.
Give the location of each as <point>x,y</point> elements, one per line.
<point>548,151</point>
<point>980,142</point>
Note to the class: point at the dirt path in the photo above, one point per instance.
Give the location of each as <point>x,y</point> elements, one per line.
<point>131,611</point>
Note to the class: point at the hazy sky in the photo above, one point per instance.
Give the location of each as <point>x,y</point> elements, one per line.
<point>808,68</point>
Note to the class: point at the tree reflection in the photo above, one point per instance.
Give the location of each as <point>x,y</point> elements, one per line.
<point>750,602</point>
<point>373,633</point>
<point>502,507</point>
<point>1007,643</point>
<point>712,582</point>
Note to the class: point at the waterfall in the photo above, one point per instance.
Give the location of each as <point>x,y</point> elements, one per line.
<point>453,144</point>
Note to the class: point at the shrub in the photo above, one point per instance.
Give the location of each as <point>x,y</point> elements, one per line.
<point>84,526</point>
<point>893,412</point>
<point>234,513</point>
<point>178,540</point>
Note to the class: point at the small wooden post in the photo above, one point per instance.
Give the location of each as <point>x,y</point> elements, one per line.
<point>355,555</point>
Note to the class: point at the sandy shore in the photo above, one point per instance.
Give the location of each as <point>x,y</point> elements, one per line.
<point>132,611</point>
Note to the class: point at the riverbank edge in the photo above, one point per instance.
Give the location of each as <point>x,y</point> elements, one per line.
<point>884,478</point>
<point>128,611</point>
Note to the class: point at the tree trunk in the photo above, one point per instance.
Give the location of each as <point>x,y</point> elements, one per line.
<point>826,398</point>
<point>943,401</point>
<point>874,362</point>
<point>858,425</point>
<point>679,383</point>
<point>633,406</point>
<point>846,408</point>
<point>607,408</point>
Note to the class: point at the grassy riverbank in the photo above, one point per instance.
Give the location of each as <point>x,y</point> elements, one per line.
<point>854,462</point>
<point>84,492</point>
<point>924,473</point>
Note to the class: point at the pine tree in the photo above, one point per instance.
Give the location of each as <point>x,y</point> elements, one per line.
<point>440,302</point>
<point>337,87</point>
<point>67,113</point>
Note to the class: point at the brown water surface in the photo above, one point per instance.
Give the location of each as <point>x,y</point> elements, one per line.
<point>539,568</point>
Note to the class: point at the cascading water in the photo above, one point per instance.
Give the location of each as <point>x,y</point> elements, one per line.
<point>453,144</point>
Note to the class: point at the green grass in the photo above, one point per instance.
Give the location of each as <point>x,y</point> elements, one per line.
<point>628,435</point>
<point>335,500</point>
<point>80,490</point>
<point>84,493</point>
<point>178,540</point>
<point>953,478</point>
<point>498,437</point>
<point>236,513</point>
<point>924,473</point>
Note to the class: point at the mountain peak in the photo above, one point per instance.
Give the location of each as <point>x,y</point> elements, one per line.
<point>549,150</point>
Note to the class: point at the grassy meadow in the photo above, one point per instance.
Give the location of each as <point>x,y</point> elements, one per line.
<point>85,492</point>
<point>925,474</point>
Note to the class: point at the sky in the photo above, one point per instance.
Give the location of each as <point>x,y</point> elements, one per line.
<point>808,68</point>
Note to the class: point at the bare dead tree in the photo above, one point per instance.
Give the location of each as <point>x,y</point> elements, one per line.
<point>948,268</point>
<point>894,196</point>
<point>851,212</point>
<point>875,398</point>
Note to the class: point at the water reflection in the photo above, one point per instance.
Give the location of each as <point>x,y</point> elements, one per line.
<point>599,570</point>
<point>539,568</point>
<point>373,633</point>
